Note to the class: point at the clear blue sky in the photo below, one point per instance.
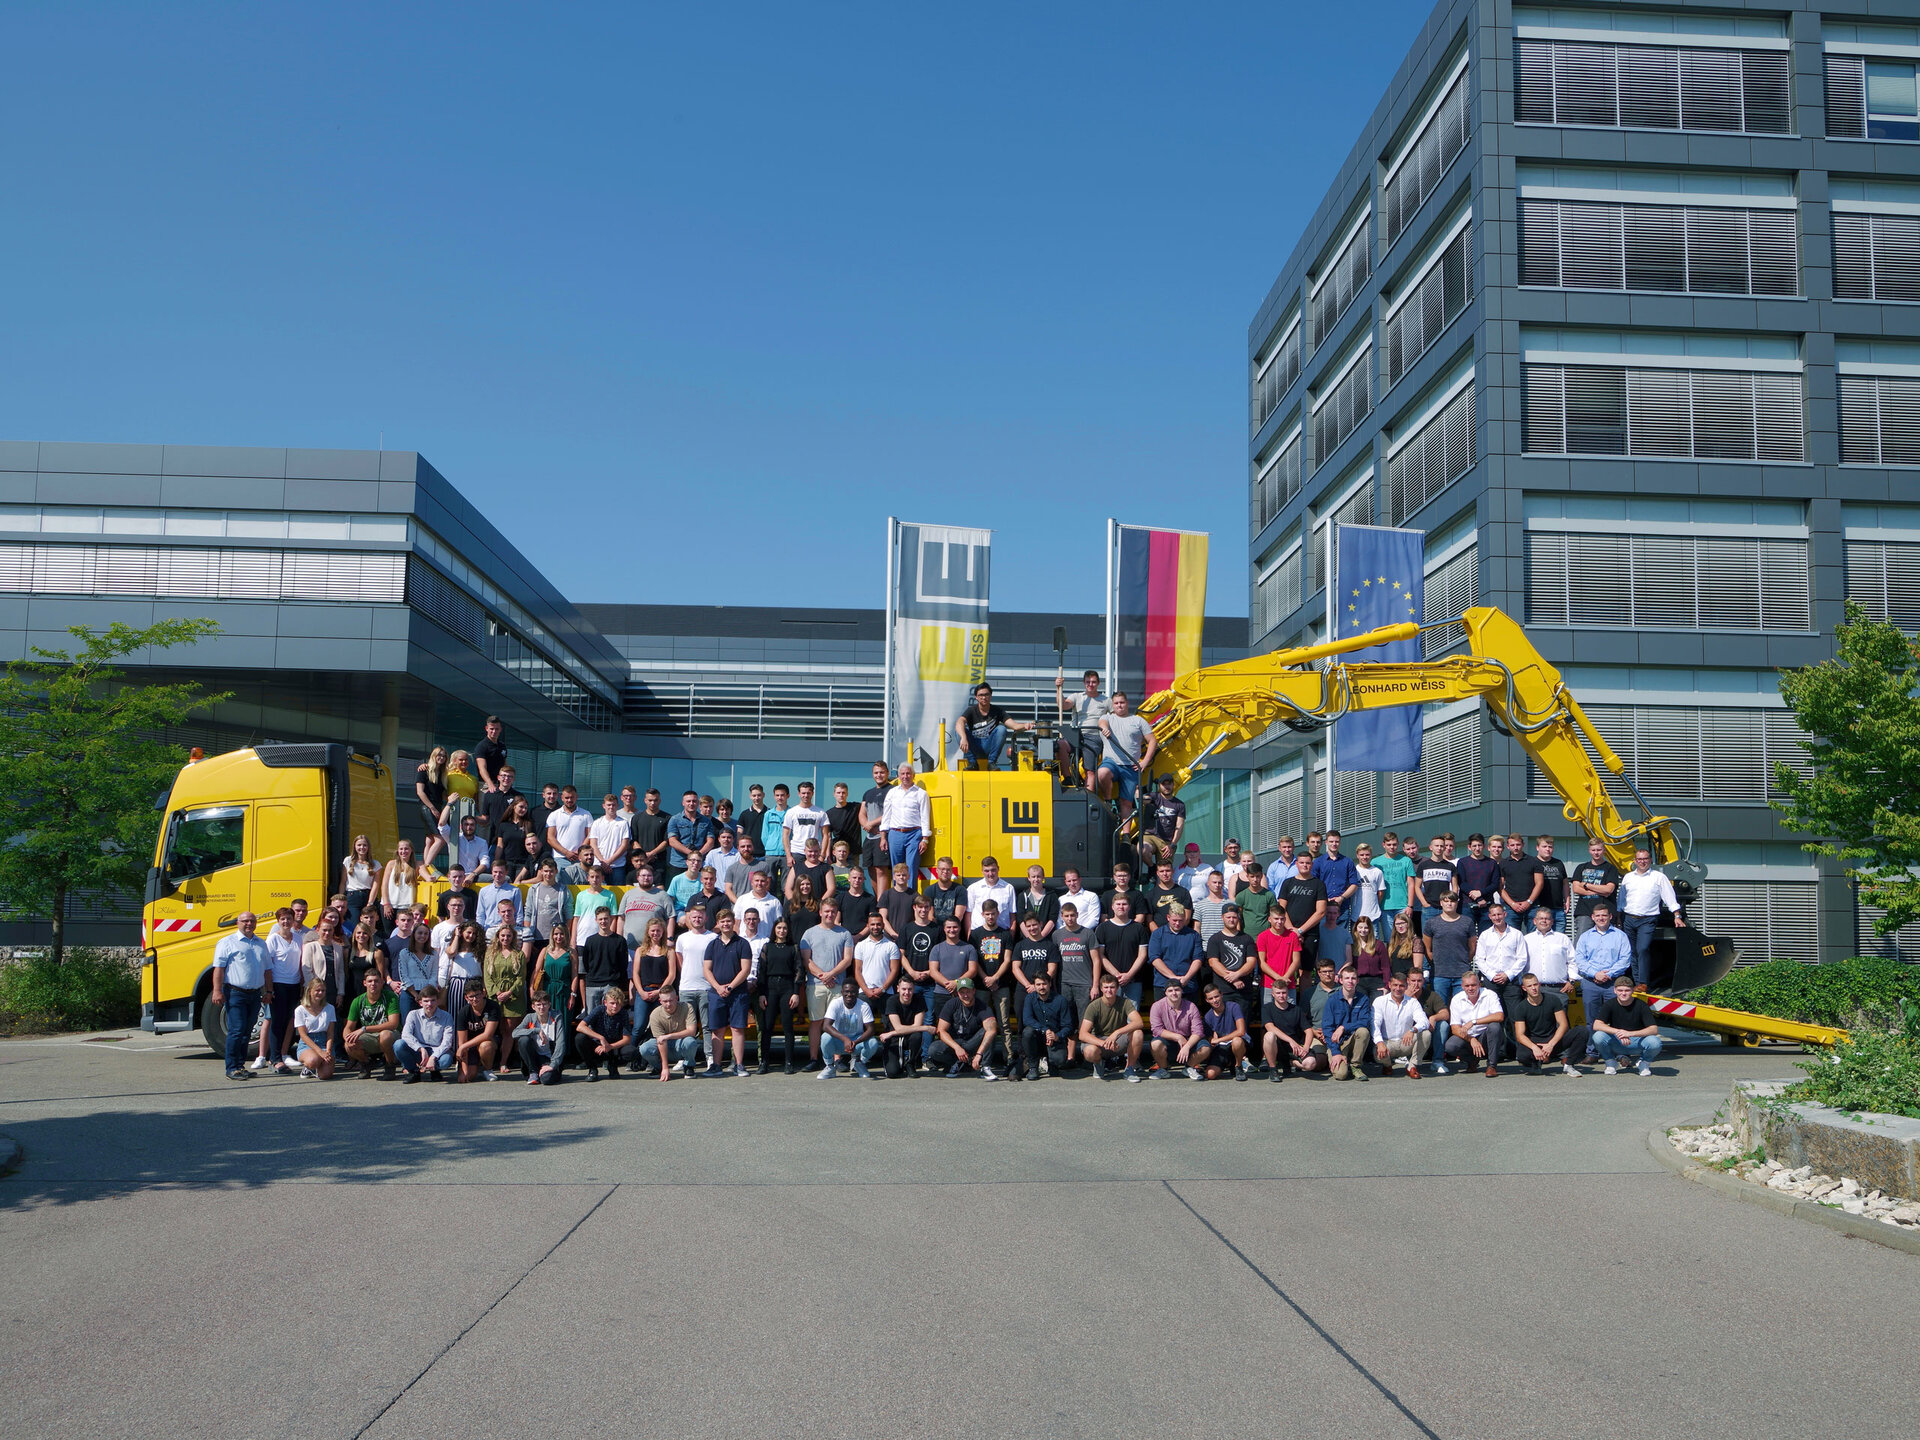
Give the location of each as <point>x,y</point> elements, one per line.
<point>659,287</point>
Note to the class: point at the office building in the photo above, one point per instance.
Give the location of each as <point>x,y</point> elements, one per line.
<point>1617,304</point>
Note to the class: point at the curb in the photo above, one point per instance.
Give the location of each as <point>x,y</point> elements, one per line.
<point>1849,1225</point>
<point>9,1154</point>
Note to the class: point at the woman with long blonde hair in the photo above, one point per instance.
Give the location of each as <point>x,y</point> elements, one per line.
<point>504,973</point>
<point>430,784</point>
<point>400,879</point>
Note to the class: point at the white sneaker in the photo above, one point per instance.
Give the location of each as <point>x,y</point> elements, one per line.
<point>1193,1072</point>
<point>306,1072</point>
<point>831,1072</point>
<point>1612,1069</point>
<point>489,1074</point>
<point>1440,1067</point>
<point>741,1071</point>
<point>259,1062</point>
<point>1043,1065</point>
<point>986,1073</point>
<point>1567,1069</point>
<point>1646,1070</point>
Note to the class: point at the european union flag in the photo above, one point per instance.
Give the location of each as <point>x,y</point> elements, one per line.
<point>1378,581</point>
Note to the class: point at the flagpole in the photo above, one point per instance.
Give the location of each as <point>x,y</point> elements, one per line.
<point>1333,581</point>
<point>886,683</point>
<point>1112,679</point>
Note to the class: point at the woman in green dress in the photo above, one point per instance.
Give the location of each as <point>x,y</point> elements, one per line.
<point>555,975</point>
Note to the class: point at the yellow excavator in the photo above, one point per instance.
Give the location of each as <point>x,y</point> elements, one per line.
<point>1211,710</point>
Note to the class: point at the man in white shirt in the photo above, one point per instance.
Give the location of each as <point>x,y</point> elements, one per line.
<point>1643,892</point>
<point>567,837</point>
<point>1476,1019</point>
<point>804,822</point>
<point>1082,712</point>
<point>906,822</point>
<point>1401,1030</point>
<point>470,847</point>
<point>692,944</point>
<point>760,899</point>
<point>1549,952</point>
<point>283,994</point>
<point>1192,875</point>
<point>876,963</point>
<point>611,838</point>
<point>1084,902</point>
<point>1366,901</point>
<point>1501,956</point>
<point>990,887</point>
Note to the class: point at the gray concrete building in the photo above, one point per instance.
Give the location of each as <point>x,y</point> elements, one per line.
<point>1618,305</point>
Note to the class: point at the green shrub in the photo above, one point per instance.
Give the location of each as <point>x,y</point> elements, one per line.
<point>90,991</point>
<point>1871,1070</point>
<point>1817,994</point>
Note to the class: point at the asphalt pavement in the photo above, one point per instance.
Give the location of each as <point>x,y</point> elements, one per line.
<point>186,1255</point>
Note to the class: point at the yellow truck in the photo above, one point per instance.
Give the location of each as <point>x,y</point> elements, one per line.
<point>250,830</point>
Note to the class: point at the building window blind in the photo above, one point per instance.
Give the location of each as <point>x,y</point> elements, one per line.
<point>1902,944</point>
<point>1449,774</point>
<point>1766,919</point>
<point>1575,244</point>
<point>1879,419</point>
<point>1356,509</point>
<point>1712,756</point>
<point>1338,411</point>
<point>1431,304</point>
<point>1278,481</point>
<point>1278,590</point>
<point>757,712</point>
<point>1876,257</point>
<point>206,574</point>
<point>1451,588</point>
<point>1274,373</point>
<point>1334,289</point>
<point>1883,578</point>
<point>1416,174</point>
<point>1662,413</point>
<point>1652,87</point>
<point>1872,98</point>
<point>1279,809</point>
<point>1435,456</point>
<point>1356,799</point>
<point>1684,582</point>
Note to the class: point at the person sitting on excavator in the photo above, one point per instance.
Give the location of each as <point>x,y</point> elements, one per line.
<point>1127,749</point>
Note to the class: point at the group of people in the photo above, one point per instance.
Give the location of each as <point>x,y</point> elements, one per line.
<point>638,943</point>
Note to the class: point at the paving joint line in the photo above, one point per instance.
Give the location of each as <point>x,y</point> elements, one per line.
<point>402,1392</point>
<point>1317,1328</point>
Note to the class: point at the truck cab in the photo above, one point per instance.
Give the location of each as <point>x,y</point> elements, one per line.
<point>253,829</point>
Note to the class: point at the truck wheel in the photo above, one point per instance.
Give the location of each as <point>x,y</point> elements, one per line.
<point>213,1025</point>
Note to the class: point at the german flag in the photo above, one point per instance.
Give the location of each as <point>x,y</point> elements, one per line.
<point>1160,605</point>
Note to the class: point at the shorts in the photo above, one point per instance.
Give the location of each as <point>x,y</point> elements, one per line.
<point>873,854</point>
<point>729,1012</point>
<point>1126,776</point>
<point>818,998</point>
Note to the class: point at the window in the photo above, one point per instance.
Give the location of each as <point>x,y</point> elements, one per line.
<point>1652,87</point>
<point>1722,756</point>
<point>171,570</point>
<point>1766,919</point>
<point>1450,588</point>
<point>1278,481</point>
<point>1883,578</point>
<point>1876,257</point>
<point>1336,285</point>
<point>1437,452</point>
<point>1667,581</point>
<point>1343,404</point>
<point>1430,302</point>
<point>1275,371</point>
<point>1356,508</point>
<point>1356,799</point>
<point>1449,774</point>
<point>1872,99</point>
<point>1879,419</point>
<point>1663,413</point>
<point>200,842</point>
<point>1416,171</point>
<point>1697,249</point>
<point>1277,590</point>
<point>1902,944</point>
<point>1280,805</point>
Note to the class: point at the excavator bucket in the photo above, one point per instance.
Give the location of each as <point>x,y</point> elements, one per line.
<point>1683,959</point>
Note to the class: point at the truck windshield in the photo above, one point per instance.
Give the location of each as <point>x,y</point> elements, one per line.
<point>200,842</point>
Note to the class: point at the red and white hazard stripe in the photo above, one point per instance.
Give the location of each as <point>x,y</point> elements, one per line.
<point>180,927</point>
<point>1680,1009</point>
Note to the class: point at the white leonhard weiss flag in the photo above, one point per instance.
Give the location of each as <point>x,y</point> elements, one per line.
<point>939,637</point>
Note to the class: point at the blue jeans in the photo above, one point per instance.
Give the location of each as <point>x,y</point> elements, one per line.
<point>682,1051</point>
<point>903,848</point>
<point>1444,986</point>
<point>409,1057</point>
<point>987,741</point>
<point>833,1046</point>
<point>243,1010</point>
<point>1640,930</point>
<point>1644,1048</point>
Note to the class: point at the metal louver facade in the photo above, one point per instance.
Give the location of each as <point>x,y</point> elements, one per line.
<point>1876,257</point>
<point>1670,413</point>
<point>1680,582</point>
<point>1652,87</point>
<point>1703,250</point>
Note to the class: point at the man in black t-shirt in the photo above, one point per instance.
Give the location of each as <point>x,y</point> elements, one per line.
<point>843,823</point>
<point>494,803</point>
<point>1626,1027</point>
<point>1034,955</point>
<point>1432,878</point>
<point>981,730</point>
<point>904,1032</point>
<point>649,829</point>
<point>1306,901</point>
<point>857,903</point>
<point>1166,814</point>
<point>549,802</point>
<point>1122,943</point>
<point>1594,881</point>
<point>490,756</point>
<point>872,841</point>
<point>1163,895</point>
<point>1523,880</point>
<point>1539,1027</point>
<point>603,961</point>
<point>1553,894</point>
<point>1233,962</point>
<point>947,895</point>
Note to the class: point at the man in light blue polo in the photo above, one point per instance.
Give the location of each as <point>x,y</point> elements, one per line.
<point>240,969</point>
<point>1601,956</point>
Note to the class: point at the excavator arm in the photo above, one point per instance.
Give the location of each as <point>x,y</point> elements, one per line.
<point>1211,710</point>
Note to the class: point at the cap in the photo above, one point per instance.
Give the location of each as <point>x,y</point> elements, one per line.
<point>964,983</point>
<point>1192,849</point>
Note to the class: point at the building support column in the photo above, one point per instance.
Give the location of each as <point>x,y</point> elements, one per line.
<point>390,724</point>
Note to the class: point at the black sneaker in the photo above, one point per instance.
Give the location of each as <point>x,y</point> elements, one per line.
<point>790,1067</point>
<point>1275,1076</point>
<point>388,1064</point>
<point>957,1071</point>
<point>413,1077</point>
<point>592,1075</point>
<point>814,1066</point>
<point>238,1075</point>
<point>366,1069</point>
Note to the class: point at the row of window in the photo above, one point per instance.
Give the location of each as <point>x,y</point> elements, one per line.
<point>1685,582</point>
<point>1700,250</point>
<point>192,572</point>
<point>1704,755</point>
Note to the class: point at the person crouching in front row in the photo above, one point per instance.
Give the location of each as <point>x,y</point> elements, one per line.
<point>426,1040</point>
<point>605,1036</point>
<point>542,1041</point>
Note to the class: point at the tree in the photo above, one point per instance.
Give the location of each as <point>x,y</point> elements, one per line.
<point>80,767</point>
<point>1861,715</point>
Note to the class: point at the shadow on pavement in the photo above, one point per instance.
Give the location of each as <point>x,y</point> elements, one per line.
<point>69,1159</point>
